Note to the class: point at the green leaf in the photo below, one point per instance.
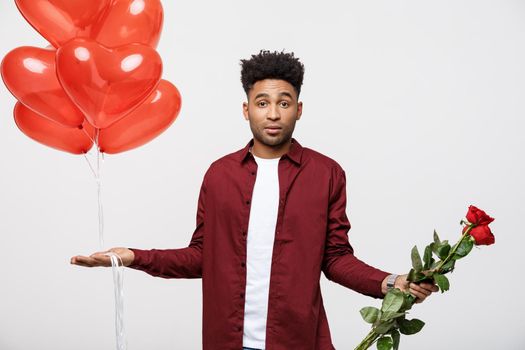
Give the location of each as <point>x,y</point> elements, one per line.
<point>394,333</point>
<point>393,301</point>
<point>369,314</point>
<point>412,326</point>
<point>442,282</point>
<point>411,275</point>
<point>416,260</point>
<point>378,320</point>
<point>410,301</point>
<point>421,277</point>
<point>449,266</point>
<point>443,250</point>
<point>464,247</point>
<point>434,247</point>
<point>407,302</point>
<point>389,315</point>
<point>414,276</point>
<point>384,343</point>
<point>427,257</point>
<point>434,265</point>
<point>436,239</point>
<point>384,327</point>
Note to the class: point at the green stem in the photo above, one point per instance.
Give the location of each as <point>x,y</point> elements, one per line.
<point>451,253</point>
<point>371,337</point>
<point>367,341</point>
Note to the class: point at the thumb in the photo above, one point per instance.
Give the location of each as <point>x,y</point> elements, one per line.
<point>401,282</point>
<point>98,253</point>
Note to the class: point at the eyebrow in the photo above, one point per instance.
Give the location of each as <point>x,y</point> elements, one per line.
<point>263,94</point>
<point>286,93</point>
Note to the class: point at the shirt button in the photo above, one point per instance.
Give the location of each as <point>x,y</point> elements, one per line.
<point>243,264</point>
<point>242,295</point>
<point>239,328</point>
<point>253,172</point>
<point>247,202</point>
<point>244,233</point>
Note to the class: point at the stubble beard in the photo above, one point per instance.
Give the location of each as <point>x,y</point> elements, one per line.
<point>272,141</point>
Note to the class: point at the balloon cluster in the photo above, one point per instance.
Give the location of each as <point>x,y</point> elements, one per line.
<point>100,79</point>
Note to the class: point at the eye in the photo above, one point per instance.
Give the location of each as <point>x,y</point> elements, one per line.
<point>284,104</point>
<point>262,104</point>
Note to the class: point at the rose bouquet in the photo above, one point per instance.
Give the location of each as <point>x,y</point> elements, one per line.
<point>389,322</point>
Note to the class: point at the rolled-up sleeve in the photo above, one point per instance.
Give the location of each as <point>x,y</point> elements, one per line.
<point>176,263</point>
<point>340,265</point>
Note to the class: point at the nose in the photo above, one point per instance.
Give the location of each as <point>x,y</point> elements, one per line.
<point>273,113</point>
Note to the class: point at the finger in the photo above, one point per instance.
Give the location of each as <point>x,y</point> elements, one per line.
<point>86,261</point>
<point>417,300</point>
<point>101,259</point>
<point>432,287</point>
<point>420,289</point>
<point>418,294</point>
<point>82,264</point>
<point>81,261</point>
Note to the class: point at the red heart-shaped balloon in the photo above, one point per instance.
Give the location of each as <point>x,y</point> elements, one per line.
<point>104,83</point>
<point>62,20</point>
<point>29,73</point>
<point>130,21</point>
<point>145,123</point>
<point>52,134</point>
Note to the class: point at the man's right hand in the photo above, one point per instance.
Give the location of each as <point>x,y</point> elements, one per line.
<point>102,259</point>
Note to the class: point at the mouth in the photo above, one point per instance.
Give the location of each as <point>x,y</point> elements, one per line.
<point>272,130</point>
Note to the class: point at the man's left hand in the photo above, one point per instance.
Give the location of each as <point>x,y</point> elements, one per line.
<point>420,290</point>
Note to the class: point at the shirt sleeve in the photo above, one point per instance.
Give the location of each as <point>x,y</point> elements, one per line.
<point>339,263</point>
<point>176,263</point>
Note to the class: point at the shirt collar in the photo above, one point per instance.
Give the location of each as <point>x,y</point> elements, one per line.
<point>294,153</point>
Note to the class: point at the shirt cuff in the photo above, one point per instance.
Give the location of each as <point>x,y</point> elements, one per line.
<point>378,277</point>
<point>141,258</point>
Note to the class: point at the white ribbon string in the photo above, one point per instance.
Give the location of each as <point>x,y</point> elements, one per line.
<point>118,282</point>
<point>117,269</point>
<point>98,179</point>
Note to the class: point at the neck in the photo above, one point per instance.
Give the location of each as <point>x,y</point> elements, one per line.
<point>261,150</point>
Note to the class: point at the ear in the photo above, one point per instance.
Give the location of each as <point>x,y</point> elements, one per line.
<point>245,110</point>
<point>299,110</point>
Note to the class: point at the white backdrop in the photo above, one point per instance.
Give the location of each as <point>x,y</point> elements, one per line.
<point>421,102</point>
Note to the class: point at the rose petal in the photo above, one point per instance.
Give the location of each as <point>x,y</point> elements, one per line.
<point>477,216</point>
<point>482,234</point>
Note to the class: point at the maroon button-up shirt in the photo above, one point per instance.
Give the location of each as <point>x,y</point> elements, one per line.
<point>311,235</point>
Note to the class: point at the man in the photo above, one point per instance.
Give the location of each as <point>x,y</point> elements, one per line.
<point>270,218</point>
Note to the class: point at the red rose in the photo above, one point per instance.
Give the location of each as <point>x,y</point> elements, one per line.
<point>477,216</point>
<point>481,234</point>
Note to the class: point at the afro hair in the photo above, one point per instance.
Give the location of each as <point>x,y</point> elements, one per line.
<point>272,65</point>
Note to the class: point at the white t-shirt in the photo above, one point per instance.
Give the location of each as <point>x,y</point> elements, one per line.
<point>261,234</point>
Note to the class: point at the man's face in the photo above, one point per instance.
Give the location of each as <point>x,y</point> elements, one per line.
<point>272,110</point>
